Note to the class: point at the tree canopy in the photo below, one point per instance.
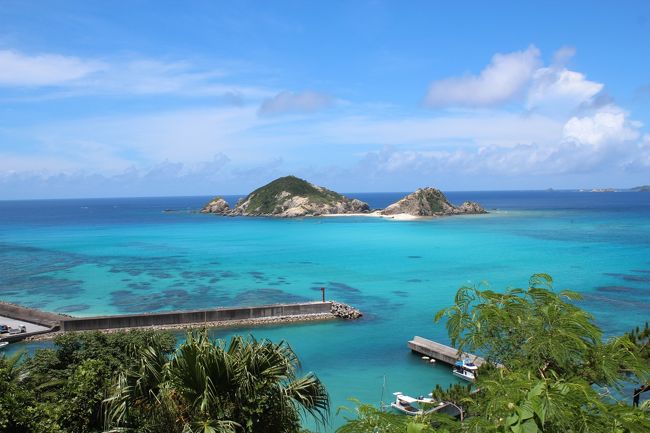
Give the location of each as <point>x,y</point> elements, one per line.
<point>209,386</point>
<point>549,368</point>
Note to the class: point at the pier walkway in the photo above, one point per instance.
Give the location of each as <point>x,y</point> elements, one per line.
<point>441,352</point>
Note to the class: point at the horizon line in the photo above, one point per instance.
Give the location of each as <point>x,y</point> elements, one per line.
<point>590,189</point>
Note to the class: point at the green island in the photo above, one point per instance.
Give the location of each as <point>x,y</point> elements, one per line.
<point>549,369</point>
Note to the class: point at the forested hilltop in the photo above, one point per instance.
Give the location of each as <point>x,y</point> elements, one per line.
<point>288,196</point>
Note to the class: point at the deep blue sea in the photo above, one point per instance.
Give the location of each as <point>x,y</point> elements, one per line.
<point>122,255</point>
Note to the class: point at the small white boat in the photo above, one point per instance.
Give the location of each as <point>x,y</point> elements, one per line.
<point>3,344</point>
<point>465,369</point>
<point>415,406</point>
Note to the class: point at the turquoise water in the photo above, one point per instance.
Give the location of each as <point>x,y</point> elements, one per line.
<point>87,257</point>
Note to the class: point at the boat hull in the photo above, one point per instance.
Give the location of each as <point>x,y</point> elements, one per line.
<point>464,376</point>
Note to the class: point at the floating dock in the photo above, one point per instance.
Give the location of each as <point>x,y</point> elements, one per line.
<point>441,352</point>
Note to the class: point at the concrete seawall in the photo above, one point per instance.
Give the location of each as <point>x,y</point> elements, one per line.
<point>30,315</point>
<point>194,317</point>
<point>48,322</point>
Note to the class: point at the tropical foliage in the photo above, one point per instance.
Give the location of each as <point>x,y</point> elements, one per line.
<point>139,381</point>
<point>555,371</point>
<point>208,386</point>
<point>62,389</point>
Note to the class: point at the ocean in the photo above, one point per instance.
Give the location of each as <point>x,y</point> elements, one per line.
<point>124,255</point>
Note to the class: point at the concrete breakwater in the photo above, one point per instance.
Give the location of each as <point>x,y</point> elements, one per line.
<point>196,317</point>
<point>30,315</point>
<point>45,322</point>
<point>213,317</point>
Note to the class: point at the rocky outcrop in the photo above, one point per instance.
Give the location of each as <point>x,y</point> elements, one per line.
<point>289,197</point>
<point>430,202</point>
<point>216,205</point>
<point>471,207</point>
<point>344,311</point>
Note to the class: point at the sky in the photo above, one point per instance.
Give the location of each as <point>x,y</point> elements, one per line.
<point>159,98</point>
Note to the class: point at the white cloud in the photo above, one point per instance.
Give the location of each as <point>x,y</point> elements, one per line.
<point>609,125</point>
<point>642,158</point>
<point>558,126</point>
<point>295,102</point>
<point>166,177</point>
<point>553,90</point>
<point>604,140</point>
<point>187,136</point>
<point>563,55</point>
<point>559,90</point>
<point>17,69</point>
<point>56,76</point>
<point>460,128</point>
<point>504,78</point>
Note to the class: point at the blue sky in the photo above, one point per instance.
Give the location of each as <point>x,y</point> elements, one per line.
<point>189,98</point>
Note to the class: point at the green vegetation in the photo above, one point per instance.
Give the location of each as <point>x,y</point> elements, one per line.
<point>264,199</point>
<point>206,386</point>
<point>62,389</point>
<point>138,381</point>
<point>558,373</point>
<point>435,200</point>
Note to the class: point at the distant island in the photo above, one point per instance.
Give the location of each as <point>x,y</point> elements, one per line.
<point>642,188</point>
<point>291,196</point>
<point>603,190</point>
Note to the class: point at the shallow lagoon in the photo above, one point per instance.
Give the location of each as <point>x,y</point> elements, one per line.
<point>97,256</point>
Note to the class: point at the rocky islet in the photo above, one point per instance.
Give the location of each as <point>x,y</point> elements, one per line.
<point>289,197</point>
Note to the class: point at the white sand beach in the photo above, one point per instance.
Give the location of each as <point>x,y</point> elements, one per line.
<point>376,214</point>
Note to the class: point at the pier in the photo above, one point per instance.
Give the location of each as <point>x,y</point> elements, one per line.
<point>441,352</point>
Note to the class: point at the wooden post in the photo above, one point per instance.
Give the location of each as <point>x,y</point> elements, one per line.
<point>322,290</point>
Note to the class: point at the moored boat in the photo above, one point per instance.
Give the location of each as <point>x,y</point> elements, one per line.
<point>415,406</point>
<point>3,344</point>
<point>465,369</point>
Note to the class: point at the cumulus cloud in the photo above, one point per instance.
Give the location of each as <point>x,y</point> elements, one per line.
<point>504,78</point>
<point>294,102</point>
<point>609,125</point>
<point>520,76</point>
<point>17,69</point>
<point>559,90</point>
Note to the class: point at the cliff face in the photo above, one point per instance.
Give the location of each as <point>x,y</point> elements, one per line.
<point>430,202</point>
<point>289,197</point>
